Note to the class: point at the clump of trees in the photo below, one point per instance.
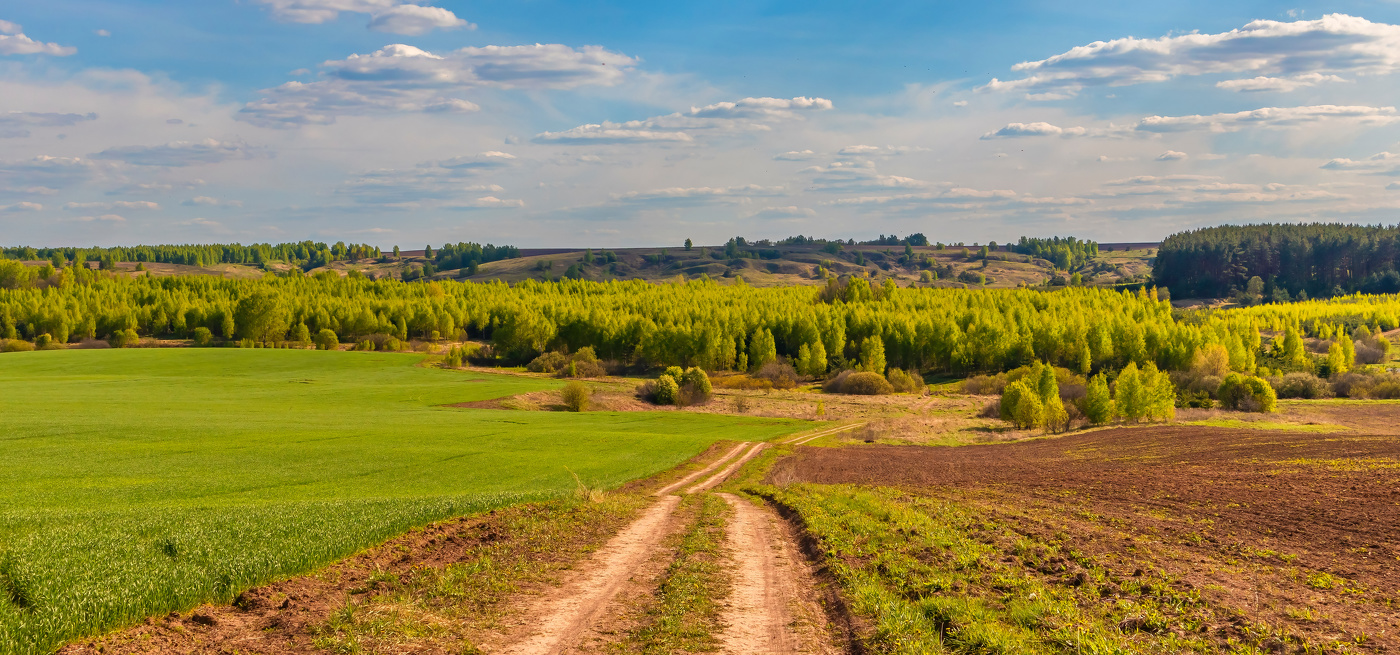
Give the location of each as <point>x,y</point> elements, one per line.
<point>676,386</point>
<point>1290,261</point>
<point>582,364</point>
<point>1065,253</point>
<point>1034,398</point>
<point>1247,393</point>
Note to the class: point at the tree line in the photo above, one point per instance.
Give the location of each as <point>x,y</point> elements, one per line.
<point>1290,261</point>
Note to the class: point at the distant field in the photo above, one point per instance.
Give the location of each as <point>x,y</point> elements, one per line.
<point>140,481</point>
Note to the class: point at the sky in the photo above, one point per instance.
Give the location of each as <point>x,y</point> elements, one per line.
<point>540,123</point>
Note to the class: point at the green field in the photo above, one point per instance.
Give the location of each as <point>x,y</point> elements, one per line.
<point>139,481</point>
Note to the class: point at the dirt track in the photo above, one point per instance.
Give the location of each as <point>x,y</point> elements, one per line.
<point>1266,521</point>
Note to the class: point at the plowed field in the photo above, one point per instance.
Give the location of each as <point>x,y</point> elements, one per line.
<point>1290,532</point>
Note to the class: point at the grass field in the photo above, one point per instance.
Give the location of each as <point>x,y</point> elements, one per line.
<point>140,481</point>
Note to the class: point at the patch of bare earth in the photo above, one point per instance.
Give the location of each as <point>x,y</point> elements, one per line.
<point>1286,529</point>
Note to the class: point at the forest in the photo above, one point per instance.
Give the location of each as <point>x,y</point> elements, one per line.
<point>696,323</point>
<point>1291,261</point>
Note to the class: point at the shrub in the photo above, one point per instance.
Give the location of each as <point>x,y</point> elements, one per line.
<point>1021,406</point>
<point>1195,399</point>
<point>326,340</point>
<point>44,342</point>
<point>584,364</point>
<point>124,339</point>
<point>695,387</point>
<point>904,382</point>
<point>1247,394</point>
<point>15,346</point>
<point>859,383</point>
<point>781,374</point>
<point>550,362</point>
<point>667,391</point>
<point>203,337</point>
<point>1300,385</point>
<point>576,396</point>
<point>985,385</point>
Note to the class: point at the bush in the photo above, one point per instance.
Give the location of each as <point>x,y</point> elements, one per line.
<point>904,382</point>
<point>576,396</point>
<point>859,383</point>
<point>663,390</point>
<point>15,346</point>
<point>44,342</point>
<point>781,374</point>
<point>584,364</point>
<point>550,362</point>
<point>1300,385</point>
<point>1195,399</point>
<point>1021,406</point>
<point>1247,394</point>
<point>124,339</point>
<point>203,337</point>
<point>326,340</point>
<point>695,387</point>
<point>985,385</point>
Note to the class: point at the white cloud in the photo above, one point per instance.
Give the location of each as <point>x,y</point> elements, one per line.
<point>791,211</point>
<point>104,218</point>
<point>102,33</point>
<point>415,20</point>
<point>1265,117</point>
<point>206,201</point>
<point>431,182</point>
<point>402,78</point>
<point>45,173</point>
<point>490,202</point>
<point>182,153</point>
<point>1280,84</point>
<point>1385,163</point>
<point>749,114</point>
<point>120,204</point>
<point>1013,130</point>
<point>857,177</point>
<point>393,16</point>
<point>697,195</point>
<point>1335,43</point>
<point>14,42</point>
<point>485,160</point>
<point>796,155</point>
<point>22,207</point>
<point>1171,155</point>
<point>15,124</point>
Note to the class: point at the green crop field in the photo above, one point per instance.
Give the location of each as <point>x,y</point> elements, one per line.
<point>139,481</point>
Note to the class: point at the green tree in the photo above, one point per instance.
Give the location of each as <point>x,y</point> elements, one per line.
<point>872,355</point>
<point>327,340</point>
<point>202,336</point>
<point>688,245</point>
<point>1021,406</point>
<point>1098,403</point>
<point>1295,356</point>
<point>667,391</point>
<point>1336,359</point>
<point>259,318</point>
<point>1128,394</point>
<point>762,348</point>
<point>1048,388</point>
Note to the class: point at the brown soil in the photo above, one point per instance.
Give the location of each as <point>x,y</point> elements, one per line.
<point>1289,529</point>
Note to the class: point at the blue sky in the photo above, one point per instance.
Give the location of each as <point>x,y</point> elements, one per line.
<point>545,123</point>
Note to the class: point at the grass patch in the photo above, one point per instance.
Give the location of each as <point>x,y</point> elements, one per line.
<point>138,482</point>
<point>931,575</point>
<point>685,614</point>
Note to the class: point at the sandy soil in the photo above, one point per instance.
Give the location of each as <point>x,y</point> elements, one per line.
<point>773,607</point>
<point>1294,529</point>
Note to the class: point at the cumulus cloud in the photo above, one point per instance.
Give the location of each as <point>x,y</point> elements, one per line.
<point>857,177</point>
<point>1265,117</point>
<point>120,204</point>
<point>15,124</point>
<point>416,19</point>
<point>1333,44</point>
<point>796,155</point>
<point>206,201</point>
<point>490,202</point>
<point>749,114</point>
<point>1171,155</point>
<point>1280,84</point>
<point>697,195</point>
<point>104,218</point>
<point>14,42</point>
<point>432,181</point>
<point>402,78</point>
<point>42,174</point>
<point>393,16</point>
<point>1374,162</point>
<point>22,207</point>
<point>790,211</point>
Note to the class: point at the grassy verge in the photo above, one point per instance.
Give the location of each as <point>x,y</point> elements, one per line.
<point>684,615</point>
<point>446,608</point>
<point>932,575</point>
